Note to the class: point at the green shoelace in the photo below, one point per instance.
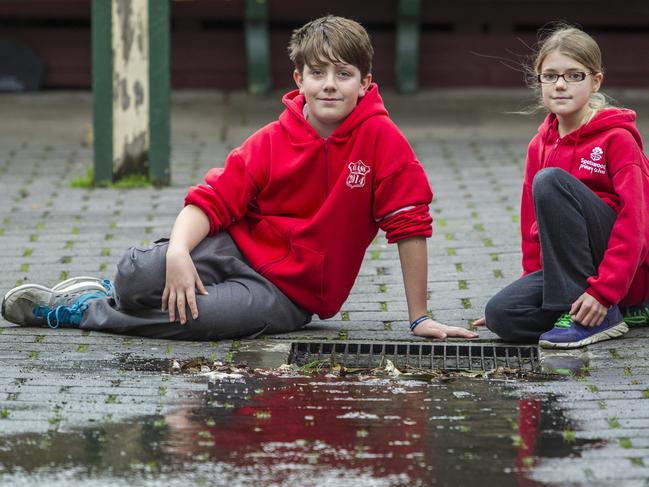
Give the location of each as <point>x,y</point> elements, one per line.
<point>563,321</point>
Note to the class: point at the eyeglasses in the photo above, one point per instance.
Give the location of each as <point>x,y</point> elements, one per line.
<point>572,77</point>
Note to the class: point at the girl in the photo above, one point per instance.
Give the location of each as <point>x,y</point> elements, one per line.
<point>584,209</point>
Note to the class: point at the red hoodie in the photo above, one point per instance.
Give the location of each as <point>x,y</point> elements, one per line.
<point>303,209</point>
<point>606,155</point>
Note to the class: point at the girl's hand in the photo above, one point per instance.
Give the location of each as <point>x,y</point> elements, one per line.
<point>181,284</point>
<point>480,322</point>
<point>588,311</point>
<point>433,329</point>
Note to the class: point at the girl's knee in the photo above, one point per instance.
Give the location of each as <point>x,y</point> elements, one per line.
<point>500,321</point>
<point>548,180</point>
<point>494,315</point>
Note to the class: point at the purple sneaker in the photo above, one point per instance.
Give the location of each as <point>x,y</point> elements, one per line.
<point>570,334</point>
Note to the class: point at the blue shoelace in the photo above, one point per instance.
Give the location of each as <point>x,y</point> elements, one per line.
<point>108,286</point>
<point>66,315</point>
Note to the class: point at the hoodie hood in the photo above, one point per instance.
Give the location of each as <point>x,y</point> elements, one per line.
<point>606,156</point>
<point>620,118</point>
<point>292,119</point>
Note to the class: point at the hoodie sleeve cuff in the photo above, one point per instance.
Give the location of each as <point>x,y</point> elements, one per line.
<point>599,297</point>
<point>199,196</point>
<point>415,222</point>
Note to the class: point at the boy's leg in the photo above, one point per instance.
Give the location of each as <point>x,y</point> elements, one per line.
<point>574,228</point>
<point>240,302</point>
<point>515,313</point>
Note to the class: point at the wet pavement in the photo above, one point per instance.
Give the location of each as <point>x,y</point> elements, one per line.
<point>100,409</point>
<point>301,430</point>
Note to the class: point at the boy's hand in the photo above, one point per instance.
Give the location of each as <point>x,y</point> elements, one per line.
<point>433,329</point>
<point>181,284</point>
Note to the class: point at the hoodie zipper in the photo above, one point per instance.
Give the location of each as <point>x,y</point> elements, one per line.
<point>553,153</point>
<point>326,166</point>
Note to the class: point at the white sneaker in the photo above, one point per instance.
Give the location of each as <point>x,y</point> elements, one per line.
<point>30,304</point>
<point>93,283</point>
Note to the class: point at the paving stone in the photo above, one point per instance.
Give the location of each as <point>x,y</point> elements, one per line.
<point>63,379</point>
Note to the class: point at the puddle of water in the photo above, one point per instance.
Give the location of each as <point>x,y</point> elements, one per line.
<point>266,430</point>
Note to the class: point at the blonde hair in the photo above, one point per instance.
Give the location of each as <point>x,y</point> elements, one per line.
<point>577,45</point>
<point>334,39</point>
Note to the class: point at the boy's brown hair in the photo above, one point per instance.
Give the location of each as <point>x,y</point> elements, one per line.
<point>334,39</point>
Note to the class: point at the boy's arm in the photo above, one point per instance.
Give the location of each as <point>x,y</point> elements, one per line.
<point>182,280</point>
<point>413,253</point>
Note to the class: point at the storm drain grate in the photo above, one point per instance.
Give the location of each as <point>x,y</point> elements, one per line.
<point>434,356</point>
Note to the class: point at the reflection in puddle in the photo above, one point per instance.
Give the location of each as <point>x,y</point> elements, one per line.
<point>264,430</point>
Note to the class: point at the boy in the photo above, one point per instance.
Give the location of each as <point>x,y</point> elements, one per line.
<point>280,232</point>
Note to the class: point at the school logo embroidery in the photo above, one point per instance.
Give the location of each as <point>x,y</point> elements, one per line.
<point>357,172</point>
<point>596,155</point>
<point>591,165</point>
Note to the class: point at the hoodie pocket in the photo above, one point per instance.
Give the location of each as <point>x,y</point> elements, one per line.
<point>308,265</point>
<point>271,242</point>
<point>301,269</point>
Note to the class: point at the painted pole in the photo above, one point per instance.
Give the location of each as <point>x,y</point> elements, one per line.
<point>131,89</point>
<point>257,47</point>
<point>407,59</point>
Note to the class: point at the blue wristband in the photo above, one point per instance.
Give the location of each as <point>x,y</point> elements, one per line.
<point>414,324</point>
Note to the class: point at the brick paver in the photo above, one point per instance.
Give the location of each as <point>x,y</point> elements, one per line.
<point>474,155</point>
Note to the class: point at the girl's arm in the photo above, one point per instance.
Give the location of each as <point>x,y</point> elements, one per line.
<point>413,253</point>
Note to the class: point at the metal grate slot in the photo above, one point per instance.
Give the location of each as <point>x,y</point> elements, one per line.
<point>444,356</point>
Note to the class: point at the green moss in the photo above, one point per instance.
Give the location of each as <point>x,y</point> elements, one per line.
<point>111,399</point>
<point>517,442</point>
<point>132,181</point>
<point>613,423</point>
<point>569,436</point>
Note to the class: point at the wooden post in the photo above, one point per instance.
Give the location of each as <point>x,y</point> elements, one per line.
<point>131,89</point>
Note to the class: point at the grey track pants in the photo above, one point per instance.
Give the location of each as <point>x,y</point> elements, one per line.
<point>574,228</point>
<point>240,303</point>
